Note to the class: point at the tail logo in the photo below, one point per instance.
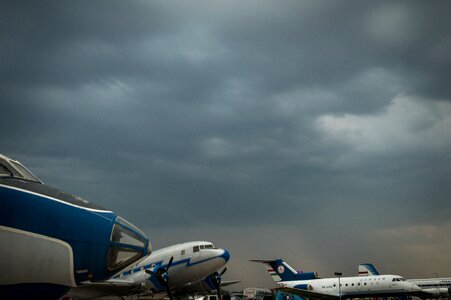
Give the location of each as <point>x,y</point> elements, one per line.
<point>280,269</point>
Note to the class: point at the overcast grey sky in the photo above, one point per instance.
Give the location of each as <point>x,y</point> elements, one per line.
<point>317,131</point>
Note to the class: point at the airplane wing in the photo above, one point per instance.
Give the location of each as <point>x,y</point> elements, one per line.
<point>109,282</point>
<point>432,293</point>
<point>120,287</point>
<point>307,294</point>
<point>229,282</point>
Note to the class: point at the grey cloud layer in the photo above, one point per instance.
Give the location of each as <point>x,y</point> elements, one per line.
<point>325,117</point>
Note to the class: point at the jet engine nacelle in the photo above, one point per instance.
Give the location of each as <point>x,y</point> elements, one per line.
<point>307,276</point>
<point>438,292</point>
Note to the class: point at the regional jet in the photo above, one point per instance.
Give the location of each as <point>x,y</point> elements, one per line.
<point>170,271</point>
<point>308,285</point>
<point>430,287</point>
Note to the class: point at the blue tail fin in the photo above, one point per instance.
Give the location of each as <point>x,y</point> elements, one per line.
<point>281,271</point>
<point>367,270</point>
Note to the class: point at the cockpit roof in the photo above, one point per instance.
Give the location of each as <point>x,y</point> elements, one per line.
<point>13,168</point>
<point>14,174</point>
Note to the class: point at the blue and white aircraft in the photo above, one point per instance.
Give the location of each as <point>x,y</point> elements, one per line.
<point>174,270</point>
<point>430,287</point>
<point>51,240</point>
<point>306,285</point>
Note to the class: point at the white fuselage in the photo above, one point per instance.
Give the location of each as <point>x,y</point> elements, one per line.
<point>192,262</point>
<point>435,287</point>
<point>355,286</point>
<point>438,287</point>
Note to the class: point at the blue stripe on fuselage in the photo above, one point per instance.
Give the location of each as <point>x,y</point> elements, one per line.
<point>87,231</point>
<point>174,263</point>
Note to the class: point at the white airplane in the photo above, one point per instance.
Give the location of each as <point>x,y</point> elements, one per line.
<point>308,285</point>
<point>431,287</point>
<point>172,270</point>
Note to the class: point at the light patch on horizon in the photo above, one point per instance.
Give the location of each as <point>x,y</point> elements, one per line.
<point>421,235</point>
<point>431,243</point>
<point>406,125</point>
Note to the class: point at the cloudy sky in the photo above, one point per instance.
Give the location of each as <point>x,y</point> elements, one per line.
<point>316,131</point>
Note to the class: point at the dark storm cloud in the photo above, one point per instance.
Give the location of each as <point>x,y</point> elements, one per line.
<point>325,120</point>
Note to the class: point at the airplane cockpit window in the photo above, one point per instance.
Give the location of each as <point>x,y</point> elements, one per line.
<point>123,235</point>
<point>203,247</point>
<point>25,174</point>
<point>119,257</point>
<point>128,244</point>
<point>4,171</point>
<point>11,168</point>
<point>129,225</point>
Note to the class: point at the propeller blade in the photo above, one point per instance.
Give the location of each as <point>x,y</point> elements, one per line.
<point>170,263</point>
<point>164,278</point>
<point>223,271</point>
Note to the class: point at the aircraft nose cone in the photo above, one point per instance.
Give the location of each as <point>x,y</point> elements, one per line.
<point>226,255</point>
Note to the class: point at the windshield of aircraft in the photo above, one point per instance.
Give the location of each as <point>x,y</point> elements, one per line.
<point>128,244</point>
<point>10,168</point>
<point>123,235</point>
<point>25,174</point>
<point>125,223</point>
<point>398,279</point>
<point>203,247</point>
<point>4,171</point>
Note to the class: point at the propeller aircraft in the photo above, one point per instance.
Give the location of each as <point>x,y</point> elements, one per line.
<point>175,270</point>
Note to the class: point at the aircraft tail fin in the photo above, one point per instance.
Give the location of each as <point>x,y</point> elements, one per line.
<point>281,271</point>
<point>367,270</point>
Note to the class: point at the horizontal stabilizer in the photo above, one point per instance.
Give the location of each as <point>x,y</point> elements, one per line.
<point>281,271</point>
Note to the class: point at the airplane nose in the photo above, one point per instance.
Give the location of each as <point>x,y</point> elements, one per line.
<point>226,255</point>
